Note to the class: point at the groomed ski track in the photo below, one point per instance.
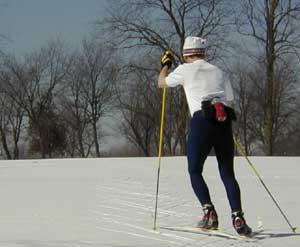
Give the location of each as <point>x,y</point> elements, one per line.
<point>110,202</point>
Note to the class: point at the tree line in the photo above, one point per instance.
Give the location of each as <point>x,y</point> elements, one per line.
<point>54,100</point>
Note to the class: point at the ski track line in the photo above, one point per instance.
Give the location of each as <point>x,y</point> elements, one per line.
<point>134,205</point>
<point>206,241</point>
<point>123,191</point>
<point>177,237</point>
<point>165,207</point>
<point>113,215</point>
<point>128,192</point>
<point>165,194</point>
<point>146,208</point>
<point>212,240</point>
<point>183,239</point>
<point>86,242</point>
<point>173,205</point>
<point>113,208</point>
<point>138,235</point>
<point>134,196</point>
<point>111,220</point>
<point>166,200</point>
<point>121,209</point>
<point>131,199</point>
<point>20,166</point>
<point>135,184</point>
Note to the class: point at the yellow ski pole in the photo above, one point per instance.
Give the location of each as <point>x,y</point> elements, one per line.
<point>242,152</point>
<point>160,147</point>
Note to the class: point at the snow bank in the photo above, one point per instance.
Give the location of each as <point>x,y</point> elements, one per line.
<point>110,202</point>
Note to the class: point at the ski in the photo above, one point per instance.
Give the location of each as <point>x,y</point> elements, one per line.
<point>216,233</point>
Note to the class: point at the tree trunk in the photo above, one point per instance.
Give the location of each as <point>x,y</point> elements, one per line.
<point>16,147</point>
<point>80,144</point>
<point>41,142</point>
<point>95,132</point>
<point>245,135</point>
<point>270,53</point>
<point>4,144</point>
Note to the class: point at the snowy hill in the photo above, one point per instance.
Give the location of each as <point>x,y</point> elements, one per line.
<point>110,202</point>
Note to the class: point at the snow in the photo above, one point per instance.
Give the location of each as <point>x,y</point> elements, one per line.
<point>110,202</point>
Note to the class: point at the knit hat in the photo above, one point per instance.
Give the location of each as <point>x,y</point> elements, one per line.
<point>194,46</point>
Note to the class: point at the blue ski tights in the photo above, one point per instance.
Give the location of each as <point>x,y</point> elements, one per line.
<point>203,136</point>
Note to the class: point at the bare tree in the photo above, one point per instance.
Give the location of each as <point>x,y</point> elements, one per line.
<point>249,104</point>
<point>242,87</point>
<point>74,107</point>
<point>99,73</point>
<point>286,102</point>
<point>274,25</point>
<point>137,100</point>
<point>11,116</point>
<point>251,101</point>
<point>290,141</point>
<point>35,84</point>
<point>11,124</point>
<point>146,27</point>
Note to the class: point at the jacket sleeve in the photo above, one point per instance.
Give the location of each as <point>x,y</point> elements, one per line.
<point>175,78</point>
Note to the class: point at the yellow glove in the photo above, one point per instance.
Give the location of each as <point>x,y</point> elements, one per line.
<point>167,59</point>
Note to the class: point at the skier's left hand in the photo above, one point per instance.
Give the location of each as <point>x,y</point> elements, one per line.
<point>167,59</point>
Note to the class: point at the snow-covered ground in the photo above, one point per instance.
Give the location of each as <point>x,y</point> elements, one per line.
<point>110,202</point>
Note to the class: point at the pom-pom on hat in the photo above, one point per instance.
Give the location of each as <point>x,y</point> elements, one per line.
<point>194,46</point>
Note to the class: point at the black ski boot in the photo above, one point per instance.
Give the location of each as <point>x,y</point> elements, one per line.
<point>209,220</point>
<point>240,225</point>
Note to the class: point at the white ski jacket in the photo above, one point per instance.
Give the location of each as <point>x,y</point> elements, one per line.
<point>201,81</point>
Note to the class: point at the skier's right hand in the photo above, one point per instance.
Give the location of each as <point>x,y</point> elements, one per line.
<point>166,59</point>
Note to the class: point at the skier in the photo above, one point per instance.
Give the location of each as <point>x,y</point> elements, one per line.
<point>209,96</point>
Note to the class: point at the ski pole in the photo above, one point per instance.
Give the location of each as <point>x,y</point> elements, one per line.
<point>241,150</point>
<point>160,151</point>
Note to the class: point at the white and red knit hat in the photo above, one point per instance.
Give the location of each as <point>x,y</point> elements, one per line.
<point>194,46</point>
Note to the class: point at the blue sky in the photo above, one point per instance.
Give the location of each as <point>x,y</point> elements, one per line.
<point>30,23</point>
